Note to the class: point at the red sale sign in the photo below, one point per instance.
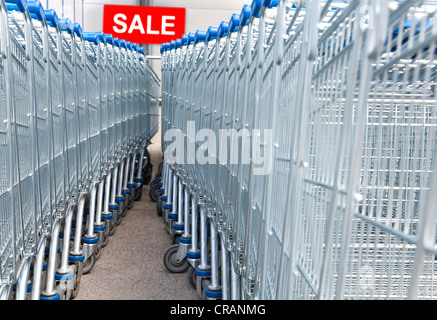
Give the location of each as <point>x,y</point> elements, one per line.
<point>154,25</point>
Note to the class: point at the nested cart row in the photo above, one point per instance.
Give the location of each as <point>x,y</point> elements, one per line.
<point>78,111</point>
<point>336,198</point>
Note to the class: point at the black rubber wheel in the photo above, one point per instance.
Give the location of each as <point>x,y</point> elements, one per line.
<point>97,252</point>
<point>147,175</point>
<point>88,265</point>
<point>159,207</point>
<point>171,264</point>
<point>138,194</point>
<point>192,276</point>
<point>154,193</point>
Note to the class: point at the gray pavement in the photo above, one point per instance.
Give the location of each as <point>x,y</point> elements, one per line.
<point>131,266</point>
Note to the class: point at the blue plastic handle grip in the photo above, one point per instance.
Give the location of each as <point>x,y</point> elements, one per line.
<point>223,29</point>
<point>116,42</point>
<point>191,37</point>
<point>66,25</point>
<point>172,45</point>
<point>178,43</point>
<point>91,37</point>
<point>200,36</point>
<point>256,8</point>
<point>245,15</point>
<point>211,33</point>
<point>123,44</point>
<point>142,51</point>
<point>52,18</point>
<point>36,10</point>
<point>17,5</point>
<point>271,3</point>
<point>77,29</point>
<point>109,38</point>
<point>184,40</point>
<point>234,23</point>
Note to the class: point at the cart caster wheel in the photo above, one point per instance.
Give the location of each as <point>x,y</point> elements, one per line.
<point>147,175</point>
<point>76,280</point>
<point>139,193</point>
<point>192,276</point>
<point>131,204</point>
<point>154,193</point>
<point>106,239</point>
<point>98,252</point>
<point>89,264</point>
<point>159,206</point>
<point>170,262</point>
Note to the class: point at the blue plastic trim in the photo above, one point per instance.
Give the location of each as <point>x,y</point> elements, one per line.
<point>28,289</point>
<point>164,198</point>
<point>77,28</point>
<point>114,207</point>
<point>256,8</point>
<point>172,45</point>
<point>185,240</point>
<point>211,34</point>
<point>223,29</point>
<point>167,207</point>
<point>66,25</point>
<point>161,191</point>
<point>125,192</point>
<point>90,240</point>
<point>245,15</point>
<point>139,180</point>
<point>172,216</point>
<point>184,39</point>
<point>116,42</point>
<point>109,38</point>
<point>203,273</point>
<point>100,36</point>
<point>178,226</point>
<point>270,3</point>
<point>67,276</point>
<point>234,23</point>
<point>120,199</point>
<point>100,228</point>
<point>76,258</point>
<point>36,10</point>
<point>131,185</point>
<point>17,5</point>
<point>44,267</point>
<point>142,51</point>
<point>192,255</point>
<point>122,44</point>
<point>191,37</point>
<point>52,18</point>
<point>106,216</point>
<point>213,294</point>
<point>57,296</point>
<point>200,36</point>
<point>47,250</point>
<point>178,43</point>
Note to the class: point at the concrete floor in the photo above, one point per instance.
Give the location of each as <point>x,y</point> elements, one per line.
<point>131,266</point>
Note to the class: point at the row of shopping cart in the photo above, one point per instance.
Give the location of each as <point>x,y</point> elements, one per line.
<point>300,144</point>
<point>78,110</point>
